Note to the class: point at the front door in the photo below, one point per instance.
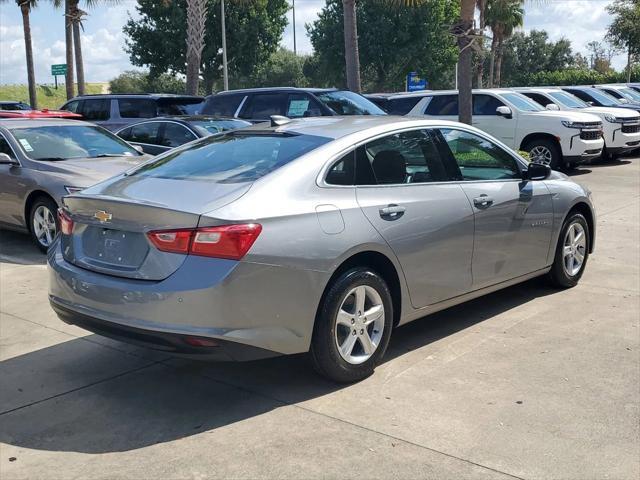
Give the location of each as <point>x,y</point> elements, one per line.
<point>427,222</point>
<point>513,217</point>
<point>485,118</point>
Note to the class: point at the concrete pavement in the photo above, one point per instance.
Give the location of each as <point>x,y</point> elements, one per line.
<point>529,382</point>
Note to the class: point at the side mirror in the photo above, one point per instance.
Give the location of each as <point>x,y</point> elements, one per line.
<point>504,111</point>
<point>590,104</point>
<point>623,100</point>
<point>7,160</point>
<point>537,171</point>
<point>138,148</point>
<point>553,107</point>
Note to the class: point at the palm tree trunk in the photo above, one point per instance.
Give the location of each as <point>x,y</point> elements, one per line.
<point>351,53</point>
<point>196,16</point>
<point>465,74</point>
<point>629,63</point>
<point>68,40</point>
<point>28,47</point>
<point>77,47</point>
<point>499,63</point>
<point>492,60</point>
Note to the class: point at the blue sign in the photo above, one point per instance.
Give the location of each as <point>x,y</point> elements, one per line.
<point>415,82</point>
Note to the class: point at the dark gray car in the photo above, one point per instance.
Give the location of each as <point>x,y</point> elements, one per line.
<point>43,160</point>
<point>319,234</point>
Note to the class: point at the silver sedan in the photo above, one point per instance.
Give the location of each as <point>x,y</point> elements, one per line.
<point>318,234</point>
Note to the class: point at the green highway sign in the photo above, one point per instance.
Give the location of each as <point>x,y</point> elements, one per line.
<point>59,69</point>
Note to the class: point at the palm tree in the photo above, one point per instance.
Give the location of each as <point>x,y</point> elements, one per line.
<point>196,17</point>
<point>68,41</point>
<point>464,32</point>
<point>25,9</point>
<point>503,16</point>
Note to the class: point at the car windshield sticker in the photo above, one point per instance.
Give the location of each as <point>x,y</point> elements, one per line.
<point>26,145</point>
<point>297,108</point>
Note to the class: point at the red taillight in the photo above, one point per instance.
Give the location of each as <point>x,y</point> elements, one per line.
<point>66,224</point>
<point>226,241</point>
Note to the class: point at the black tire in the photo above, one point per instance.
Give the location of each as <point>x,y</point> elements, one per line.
<point>556,161</point>
<point>49,204</point>
<point>324,352</point>
<point>558,275</point>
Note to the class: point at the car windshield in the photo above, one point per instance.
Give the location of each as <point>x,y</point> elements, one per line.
<point>567,100</point>
<point>233,157</point>
<point>344,102</point>
<point>604,99</point>
<point>63,142</point>
<point>522,103</point>
<point>630,94</point>
<point>179,106</point>
<point>209,127</point>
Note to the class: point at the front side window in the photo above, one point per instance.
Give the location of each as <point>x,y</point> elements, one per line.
<point>443,105</point>
<point>72,106</point>
<point>144,133</point>
<point>478,158</point>
<point>522,103</point>
<point>344,102</point>
<point>72,141</point>
<point>137,108</point>
<point>262,106</point>
<point>486,104</point>
<point>302,105</point>
<point>630,94</point>
<point>568,100</point>
<point>5,147</point>
<point>96,109</point>
<point>175,135</point>
<point>234,157</point>
<point>599,97</point>
<point>402,106</point>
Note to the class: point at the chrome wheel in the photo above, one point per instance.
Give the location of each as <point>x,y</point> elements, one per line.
<point>44,225</point>
<point>359,324</point>
<point>574,249</point>
<point>541,154</point>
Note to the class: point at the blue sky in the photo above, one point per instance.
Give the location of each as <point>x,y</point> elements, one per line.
<point>581,21</point>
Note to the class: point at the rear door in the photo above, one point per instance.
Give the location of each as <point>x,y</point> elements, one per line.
<point>513,217</point>
<point>96,110</point>
<point>13,187</point>
<point>145,135</point>
<point>425,218</point>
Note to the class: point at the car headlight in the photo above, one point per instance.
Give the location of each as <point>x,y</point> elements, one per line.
<point>570,124</point>
<point>610,118</point>
<point>73,189</point>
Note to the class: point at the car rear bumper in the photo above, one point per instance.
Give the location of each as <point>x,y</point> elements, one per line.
<point>268,307</point>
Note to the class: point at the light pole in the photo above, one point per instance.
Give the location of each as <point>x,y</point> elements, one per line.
<point>295,50</point>
<point>225,73</point>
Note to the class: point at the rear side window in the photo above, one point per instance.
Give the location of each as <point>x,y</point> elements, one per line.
<point>137,108</point>
<point>234,157</point>
<point>485,105</point>
<point>95,109</point>
<point>5,147</point>
<point>222,105</point>
<point>262,106</point>
<point>443,105</point>
<point>144,133</point>
<point>401,106</point>
<point>175,135</point>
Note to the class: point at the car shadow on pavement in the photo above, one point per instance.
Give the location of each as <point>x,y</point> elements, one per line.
<point>82,396</point>
<point>18,248</point>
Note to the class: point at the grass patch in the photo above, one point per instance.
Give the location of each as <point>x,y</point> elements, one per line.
<point>48,95</point>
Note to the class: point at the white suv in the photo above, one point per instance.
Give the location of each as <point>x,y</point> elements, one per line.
<point>559,139</point>
<point>621,126</point>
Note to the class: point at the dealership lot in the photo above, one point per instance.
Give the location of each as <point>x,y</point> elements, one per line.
<point>528,382</point>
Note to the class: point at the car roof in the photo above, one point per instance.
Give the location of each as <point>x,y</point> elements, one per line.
<point>153,96</point>
<point>475,90</point>
<point>394,95</point>
<point>276,89</point>
<point>537,89</point>
<point>190,118</point>
<point>336,127</point>
<point>10,123</point>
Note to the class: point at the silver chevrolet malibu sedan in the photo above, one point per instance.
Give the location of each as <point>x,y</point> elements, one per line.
<point>318,235</point>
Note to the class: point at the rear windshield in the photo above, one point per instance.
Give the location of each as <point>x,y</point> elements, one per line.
<point>179,106</point>
<point>233,157</point>
<point>73,141</point>
<point>209,127</point>
<point>345,102</point>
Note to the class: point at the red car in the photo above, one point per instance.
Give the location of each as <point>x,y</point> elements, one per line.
<point>44,113</point>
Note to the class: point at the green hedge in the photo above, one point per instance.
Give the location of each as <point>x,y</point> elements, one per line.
<point>577,77</point>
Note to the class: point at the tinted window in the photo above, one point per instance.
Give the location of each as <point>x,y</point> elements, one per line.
<point>14,106</point>
<point>144,133</point>
<point>343,171</point>
<point>179,106</point>
<point>568,100</point>
<point>443,105</point>
<point>63,142</point>
<point>96,109</point>
<point>522,103</point>
<point>536,97</point>
<point>72,106</point>
<point>5,147</point>
<point>478,158</point>
<point>401,106</point>
<point>485,105</point>
<point>175,135</point>
<point>223,105</point>
<point>137,108</point>
<point>126,134</point>
<point>613,93</point>
<point>345,102</point>
<point>302,105</point>
<point>596,96</point>
<point>233,157</point>
<point>263,105</point>
<point>407,157</point>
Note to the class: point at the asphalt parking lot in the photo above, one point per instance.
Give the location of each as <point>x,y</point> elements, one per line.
<point>528,382</point>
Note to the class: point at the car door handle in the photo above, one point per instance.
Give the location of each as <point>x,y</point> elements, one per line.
<point>392,211</point>
<point>483,201</point>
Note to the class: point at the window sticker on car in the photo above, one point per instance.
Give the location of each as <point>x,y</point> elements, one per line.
<point>297,108</point>
<point>26,145</point>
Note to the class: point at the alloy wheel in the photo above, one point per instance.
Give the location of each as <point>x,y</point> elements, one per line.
<point>44,225</point>
<point>359,324</point>
<point>541,154</point>
<point>574,249</point>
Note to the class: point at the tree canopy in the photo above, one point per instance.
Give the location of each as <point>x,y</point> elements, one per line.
<point>393,41</point>
<point>152,39</point>
<point>624,31</point>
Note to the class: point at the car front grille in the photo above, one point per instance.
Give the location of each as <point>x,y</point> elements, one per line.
<point>590,134</point>
<point>633,128</point>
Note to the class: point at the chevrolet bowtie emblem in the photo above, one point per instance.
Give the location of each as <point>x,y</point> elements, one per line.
<point>103,216</point>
